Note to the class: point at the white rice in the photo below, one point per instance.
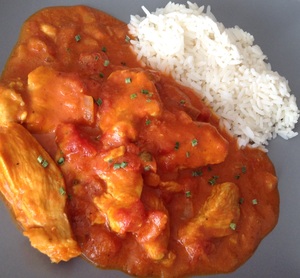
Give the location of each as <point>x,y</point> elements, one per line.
<point>223,65</point>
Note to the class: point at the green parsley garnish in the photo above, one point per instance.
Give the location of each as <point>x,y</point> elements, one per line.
<point>254,202</point>
<point>127,38</point>
<point>120,165</point>
<point>103,49</point>
<point>148,122</point>
<point>244,169</point>
<point>77,38</point>
<point>147,168</point>
<point>42,161</point>
<point>133,96</point>
<point>177,145</point>
<point>213,180</point>
<point>60,161</point>
<point>197,173</point>
<point>144,91</point>
<point>194,142</point>
<point>188,194</point>
<point>62,191</point>
<point>106,63</point>
<point>232,226</point>
<point>98,101</point>
<point>128,80</point>
<point>101,74</point>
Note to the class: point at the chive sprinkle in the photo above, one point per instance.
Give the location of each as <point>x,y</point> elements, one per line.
<point>98,101</point>
<point>106,63</point>
<point>42,161</point>
<point>213,180</point>
<point>127,38</point>
<point>62,191</point>
<point>188,194</point>
<point>194,142</point>
<point>148,122</point>
<point>133,96</point>
<point>77,38</point>
<point>60,161</point>
<point>177,145</point>
<point>232,226</point>
<point>121,165</point>
<point>197,173</point>
<point>103,49</point>
<point>147,168</point>
<point>254,202</point>
<point>128,80</point>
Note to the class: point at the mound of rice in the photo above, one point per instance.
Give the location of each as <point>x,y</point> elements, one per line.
<point>223,65</point>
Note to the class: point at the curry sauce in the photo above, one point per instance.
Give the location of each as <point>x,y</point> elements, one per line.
<point>152,184</point>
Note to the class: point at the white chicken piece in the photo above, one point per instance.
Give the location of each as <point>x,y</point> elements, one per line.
<point>12,106</point>
<point>217,218</point>
<point>33,186</point>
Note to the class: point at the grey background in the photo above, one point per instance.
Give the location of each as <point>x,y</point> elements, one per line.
<point>275,25</point>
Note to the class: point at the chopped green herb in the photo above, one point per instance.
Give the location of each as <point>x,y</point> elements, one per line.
<point>120,165</point>
<point>194,142</point>
<point>213,180</point>
<point>101,74</point>
<point>148,122</point>
<point>128,80</point>
<point>177,145</point>
<point>144,91</point>
<point>188,194</point>
<point>106,63</point>
<point>254,202</point>
<point>62,191</point>
<point>77,38</point>
<point>42,161</point>
<point>127,38</point>
<point>244,169</point>
<point>98,101</point>
<point>60,161</point>
<point>197,173</point>
<point>232,226</point>
<point>147,168</point>
<point>103,49</point>
<point>133,96</point>
<point>45,163</point>
<point>182,102</point>
<point>96,57</point>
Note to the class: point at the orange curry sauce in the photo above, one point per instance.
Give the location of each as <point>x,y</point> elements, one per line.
<point>155,187</point>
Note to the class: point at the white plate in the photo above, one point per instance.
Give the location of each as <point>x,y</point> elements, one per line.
<point>275,25</point>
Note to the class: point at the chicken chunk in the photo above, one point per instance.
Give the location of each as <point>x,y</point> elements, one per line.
<point>50,91</point>
<point>217,218</point>
<point>183,143</point>
<point>34,188</point>
<point>132,97</point>
<point>12,106</point>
